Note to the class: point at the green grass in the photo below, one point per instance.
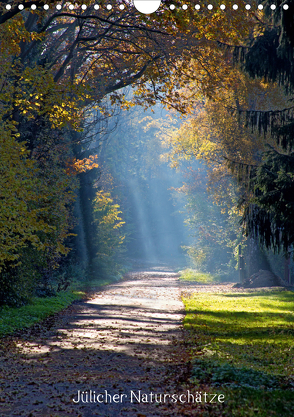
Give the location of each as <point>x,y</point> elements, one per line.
<point>200,277</point>
<point>16,318</point>
<point>243,346</point>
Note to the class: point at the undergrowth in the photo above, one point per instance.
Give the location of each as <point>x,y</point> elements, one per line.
<point>38,308</point>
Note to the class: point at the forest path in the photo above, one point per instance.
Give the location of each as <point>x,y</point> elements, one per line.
<point>125,340</point>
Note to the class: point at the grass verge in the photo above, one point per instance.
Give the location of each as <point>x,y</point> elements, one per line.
<point>242,346</point>
<point>16,318</point>
<point>199,277</point>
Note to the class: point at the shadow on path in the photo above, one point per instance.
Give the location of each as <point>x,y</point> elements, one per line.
<point>121,345</point>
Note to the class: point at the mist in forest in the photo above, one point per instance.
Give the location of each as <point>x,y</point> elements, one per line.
<point>160,232</point>
<point>146,189</point>
<point>161,225</point>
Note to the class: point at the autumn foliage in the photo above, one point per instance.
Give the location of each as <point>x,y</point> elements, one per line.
<point>64,72</point>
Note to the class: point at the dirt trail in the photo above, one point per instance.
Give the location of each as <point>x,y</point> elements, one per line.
<point>126,344</point>
<point>122,341</point>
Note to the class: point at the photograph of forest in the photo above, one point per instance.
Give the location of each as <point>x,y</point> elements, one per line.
<point>146,208</point>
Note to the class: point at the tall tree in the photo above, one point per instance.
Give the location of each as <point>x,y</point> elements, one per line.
<point>269,215</point>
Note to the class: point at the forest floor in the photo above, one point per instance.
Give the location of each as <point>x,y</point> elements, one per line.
<point>125,343</point>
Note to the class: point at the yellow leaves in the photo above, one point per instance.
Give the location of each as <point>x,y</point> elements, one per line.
<point>33,92</point>
<point>216,134</point>
<point>37,94</point>
<point>227,25</point>
<point>34,202</point>
<point>107,213</point>
<point>11,32</point>
<point>107,223</point>
<point>76,166</point>
<point>17,190</point>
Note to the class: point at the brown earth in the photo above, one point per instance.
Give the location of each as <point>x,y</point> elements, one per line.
<point>127,341</point>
